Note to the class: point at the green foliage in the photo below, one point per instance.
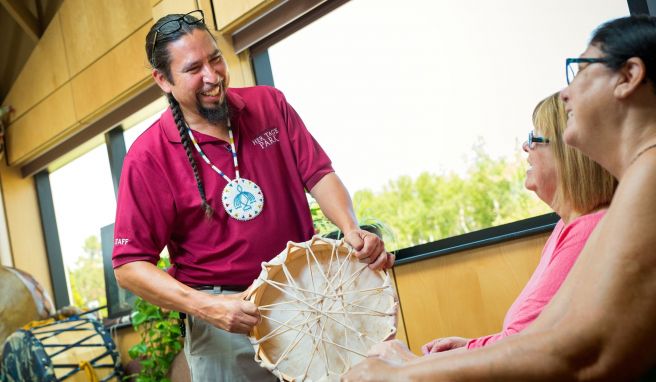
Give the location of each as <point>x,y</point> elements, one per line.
<point>432,207</point>
<point>87,278</point>
<point>322,225</point>
<point>160,338</point>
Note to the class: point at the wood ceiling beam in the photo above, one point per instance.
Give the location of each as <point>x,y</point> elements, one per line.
<point>27,21</point>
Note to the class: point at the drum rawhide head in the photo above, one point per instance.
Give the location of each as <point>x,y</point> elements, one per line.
<point>321,311</point>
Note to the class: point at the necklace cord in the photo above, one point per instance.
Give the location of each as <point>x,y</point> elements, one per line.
<point>642,152</point>
<point>233,150</point>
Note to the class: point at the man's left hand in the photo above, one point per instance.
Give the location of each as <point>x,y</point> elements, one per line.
<point>369,249</point>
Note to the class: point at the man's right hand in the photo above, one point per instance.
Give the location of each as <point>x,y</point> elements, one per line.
<point>231,313</point>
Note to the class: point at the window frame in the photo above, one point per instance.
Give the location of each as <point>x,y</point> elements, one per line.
<point>51,239</point>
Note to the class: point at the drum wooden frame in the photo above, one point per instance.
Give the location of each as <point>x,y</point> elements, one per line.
<point>321,311</point>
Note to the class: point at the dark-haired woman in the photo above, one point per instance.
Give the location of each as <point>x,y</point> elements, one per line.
<point>600,324</point>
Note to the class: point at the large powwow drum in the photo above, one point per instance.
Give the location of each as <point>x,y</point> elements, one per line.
<point>22,300</point>
<point>75,349</point>
<point>321,311</point>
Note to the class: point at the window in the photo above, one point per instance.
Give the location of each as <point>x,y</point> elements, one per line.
<point>84,201</point>
<point>423,105</point>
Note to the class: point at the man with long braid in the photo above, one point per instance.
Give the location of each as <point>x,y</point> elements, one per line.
<point>222,217</point>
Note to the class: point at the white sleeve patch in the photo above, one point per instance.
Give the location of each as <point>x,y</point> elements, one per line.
<point>121,241</point>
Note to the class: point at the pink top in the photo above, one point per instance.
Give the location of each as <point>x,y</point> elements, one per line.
<point>558,256</point>
<point>159,204</point>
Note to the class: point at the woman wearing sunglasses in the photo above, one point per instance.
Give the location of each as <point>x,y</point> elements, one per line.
<point>578,190</point>
<point>600,324</point>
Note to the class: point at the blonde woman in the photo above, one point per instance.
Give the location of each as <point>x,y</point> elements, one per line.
<point>578,190</point>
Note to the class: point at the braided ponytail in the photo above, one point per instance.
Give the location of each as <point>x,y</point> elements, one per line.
<point>184,138</point>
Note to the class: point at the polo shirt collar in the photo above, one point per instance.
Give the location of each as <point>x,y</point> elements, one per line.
<point>235,102</point>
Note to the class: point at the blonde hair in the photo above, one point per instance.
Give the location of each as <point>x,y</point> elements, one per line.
<point>582,184</point>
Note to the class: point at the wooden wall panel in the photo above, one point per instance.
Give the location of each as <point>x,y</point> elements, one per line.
<point>229,13</point>
<point>38,129</point>
<point>45,71</point>
<point>22,210</point>
<point>464,294</point>
<point>5,243</point>
<point>100,53</point>
<point>93,27</point>
<point>174,6</point>
<point>241,73</point>
<point>400,325</point>
<point>111,78</point>
<point>206,6</point>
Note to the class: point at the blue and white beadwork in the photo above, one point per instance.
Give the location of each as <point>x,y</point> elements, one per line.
<point>242,199</point>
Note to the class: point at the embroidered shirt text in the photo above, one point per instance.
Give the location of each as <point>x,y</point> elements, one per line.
<point>267,138</point>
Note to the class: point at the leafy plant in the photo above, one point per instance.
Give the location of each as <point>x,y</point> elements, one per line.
<point>160,338</point>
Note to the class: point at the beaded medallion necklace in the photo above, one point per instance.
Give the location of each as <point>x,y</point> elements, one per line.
<point>242,198</point>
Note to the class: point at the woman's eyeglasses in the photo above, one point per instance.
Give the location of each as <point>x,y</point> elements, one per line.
<point>572,67</point>
<point>172,26</point>
<point>533,140</point>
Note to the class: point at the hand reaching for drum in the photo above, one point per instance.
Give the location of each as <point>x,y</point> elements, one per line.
<point>444,344</point>
<point>369,248</point>
<point>231,313</point>
<point>393,351</point>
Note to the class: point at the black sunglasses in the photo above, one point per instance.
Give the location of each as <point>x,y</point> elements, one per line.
<point>172,26</point>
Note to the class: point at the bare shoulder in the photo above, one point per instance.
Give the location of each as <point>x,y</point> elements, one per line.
<point>635,199</point>
<point>628,231</point>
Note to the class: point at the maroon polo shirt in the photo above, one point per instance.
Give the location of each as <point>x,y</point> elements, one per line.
<point>159,204</point>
